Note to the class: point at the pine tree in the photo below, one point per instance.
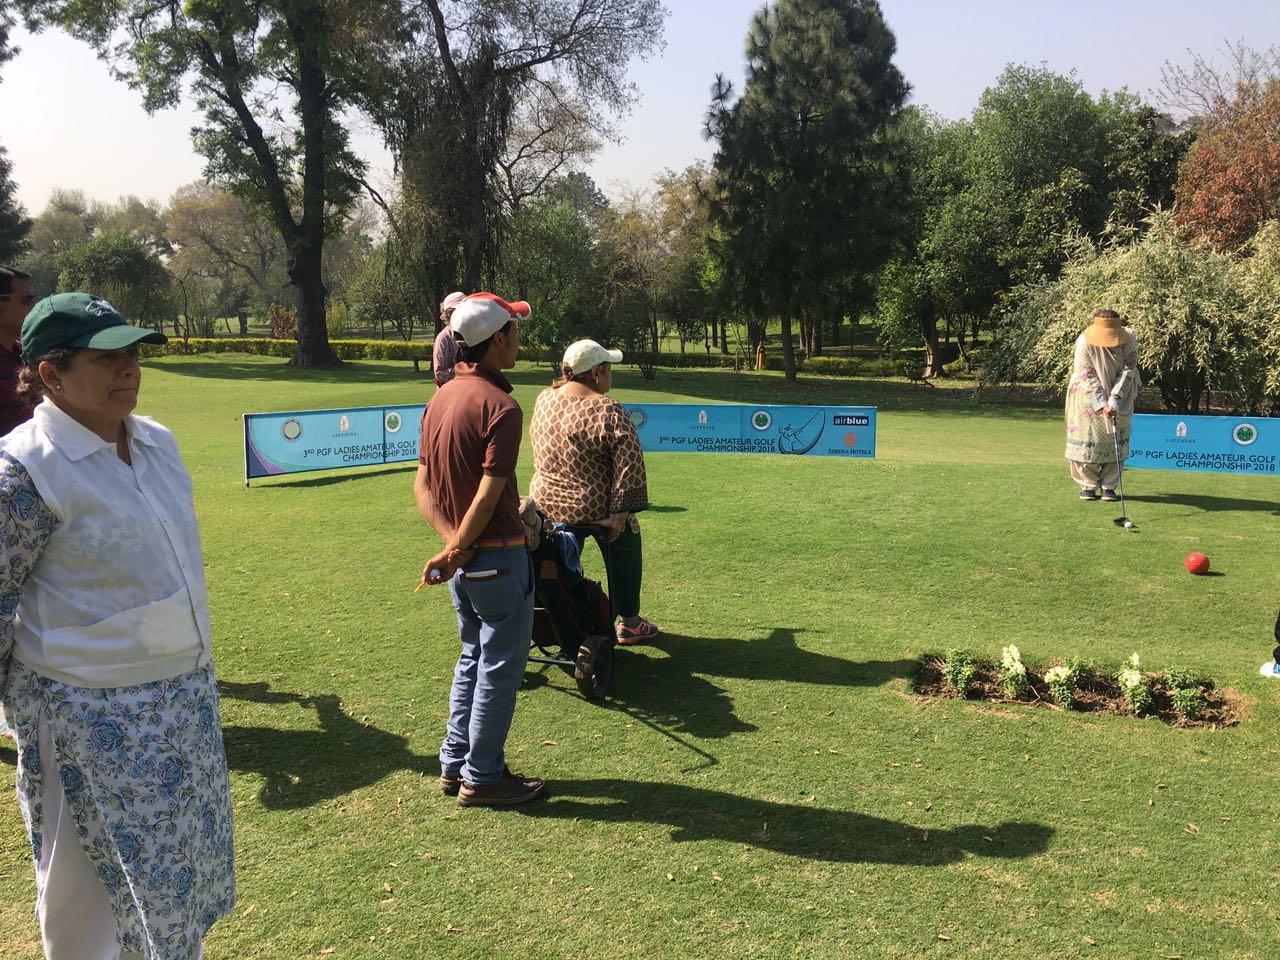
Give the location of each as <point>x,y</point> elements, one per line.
<point>804,190</point>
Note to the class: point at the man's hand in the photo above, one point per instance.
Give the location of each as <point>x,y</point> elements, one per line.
<point>441,567</point>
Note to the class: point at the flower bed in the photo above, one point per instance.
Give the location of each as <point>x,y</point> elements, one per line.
<point>1175,697</point>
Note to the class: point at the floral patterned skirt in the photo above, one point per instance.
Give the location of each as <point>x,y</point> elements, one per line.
<point>1089,438</point>
<point>144,773</point>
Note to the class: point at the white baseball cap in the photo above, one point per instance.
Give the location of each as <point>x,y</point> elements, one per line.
<point>482,315</point>
<point>582,355</point>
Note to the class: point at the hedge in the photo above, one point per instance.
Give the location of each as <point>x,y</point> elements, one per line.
<point>407,350</point>
<point>266,347</point>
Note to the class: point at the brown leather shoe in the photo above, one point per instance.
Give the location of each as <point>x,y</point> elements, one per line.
<point>450,785</point>
<point>507,791</point>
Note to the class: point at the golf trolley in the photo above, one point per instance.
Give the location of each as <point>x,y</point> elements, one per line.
<point>572,616</point>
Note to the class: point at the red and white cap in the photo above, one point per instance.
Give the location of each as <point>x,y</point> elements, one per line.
<point>481,315</point>
<point>450,302</point>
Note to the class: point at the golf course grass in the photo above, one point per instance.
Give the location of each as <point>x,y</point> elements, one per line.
<point>762,781</point>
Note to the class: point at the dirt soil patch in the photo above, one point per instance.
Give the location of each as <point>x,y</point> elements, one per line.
<point>1092,693</point>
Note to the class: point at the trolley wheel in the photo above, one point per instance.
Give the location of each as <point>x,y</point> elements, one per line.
<point>594,667</point>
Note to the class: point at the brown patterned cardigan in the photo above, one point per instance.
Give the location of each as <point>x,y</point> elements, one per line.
<point>587,461</point>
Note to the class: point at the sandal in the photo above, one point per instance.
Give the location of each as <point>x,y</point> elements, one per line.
<point>642,631</point>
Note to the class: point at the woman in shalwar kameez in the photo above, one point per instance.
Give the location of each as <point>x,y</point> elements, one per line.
<point>1100,396</point>
<point>105,665</point>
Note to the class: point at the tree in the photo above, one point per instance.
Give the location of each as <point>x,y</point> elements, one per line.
<point>228,245</point>
<point>801,179</point>
<point>631,259</point>
<point>141,219</point>
<point>550,260</point>
<point>121,269</point>
<point>449,104</point>
<point>6,25</point>
<point>1229,182</point>
<point>65,221</point>
<point>14,223</point>
<point>243,59</point>
<point>684,222</point>
<point>941,264</point>
<point>1201,322</point>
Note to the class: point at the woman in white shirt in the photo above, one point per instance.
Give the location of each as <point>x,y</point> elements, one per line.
<point>105,667</point>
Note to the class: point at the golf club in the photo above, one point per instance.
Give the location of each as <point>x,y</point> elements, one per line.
<point>1122,520</point>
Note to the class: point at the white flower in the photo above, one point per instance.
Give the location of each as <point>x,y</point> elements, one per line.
<point>1133,661</point>
<point>1057,675</point>
<point>1011,661</point>
<point>1130,678</point>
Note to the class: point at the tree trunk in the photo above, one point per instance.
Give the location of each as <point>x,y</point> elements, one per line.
<point>835,331</point>
<point>313,348</point>
<point>306,245</point>
<point>243,317</point>
<point>788,349</point>
<point>929,333</point>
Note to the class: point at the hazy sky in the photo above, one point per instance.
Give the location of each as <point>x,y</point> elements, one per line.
<point>68,124</point>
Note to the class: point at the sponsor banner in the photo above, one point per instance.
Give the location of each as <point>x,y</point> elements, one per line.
<point>299,441</point>
<point>1224,444</point>
<point>756,428</point>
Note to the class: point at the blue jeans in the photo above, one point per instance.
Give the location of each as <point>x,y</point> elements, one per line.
<point>493,595</point>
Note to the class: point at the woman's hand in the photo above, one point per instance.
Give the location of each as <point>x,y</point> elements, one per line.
<point>613,525</point>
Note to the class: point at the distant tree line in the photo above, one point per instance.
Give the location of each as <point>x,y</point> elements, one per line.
<point>829,199</point>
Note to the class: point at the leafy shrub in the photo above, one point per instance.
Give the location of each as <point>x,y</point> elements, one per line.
<point>1060,683</point>
<point>1184,692</point>
<point>1081,668</point>
<point>338,320</point>
<point>958,668</point>
<point>1187,701</point>
<point>1134,686</point>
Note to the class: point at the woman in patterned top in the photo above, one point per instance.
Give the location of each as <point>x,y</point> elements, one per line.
<point>104,653</point>
<point>588,468</point>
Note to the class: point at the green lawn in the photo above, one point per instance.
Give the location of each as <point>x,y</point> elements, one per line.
<point>762,783</point>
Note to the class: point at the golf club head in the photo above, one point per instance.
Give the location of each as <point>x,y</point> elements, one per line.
<point>1126,523</point>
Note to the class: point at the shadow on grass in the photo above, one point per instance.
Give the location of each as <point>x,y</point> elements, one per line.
<point>811,832</point>
<point>305,767</point>
<point>1210,504</point>
<point>775,657</point>
<point>671,693</point>
<point>329,479</point>
<point>8,752</point>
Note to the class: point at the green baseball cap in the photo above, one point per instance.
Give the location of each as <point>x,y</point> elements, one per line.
<point>79,320</point>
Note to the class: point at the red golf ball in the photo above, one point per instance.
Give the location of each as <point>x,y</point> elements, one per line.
<point>1196,563</point>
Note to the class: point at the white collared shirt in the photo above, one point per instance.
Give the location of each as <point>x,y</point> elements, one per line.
<point>117,595</point>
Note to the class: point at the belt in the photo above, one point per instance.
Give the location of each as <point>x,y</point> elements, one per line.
<point>512,542</point>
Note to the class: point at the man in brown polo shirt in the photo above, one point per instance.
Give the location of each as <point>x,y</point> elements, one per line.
<point>16,299</point>
<point>468,445</point>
